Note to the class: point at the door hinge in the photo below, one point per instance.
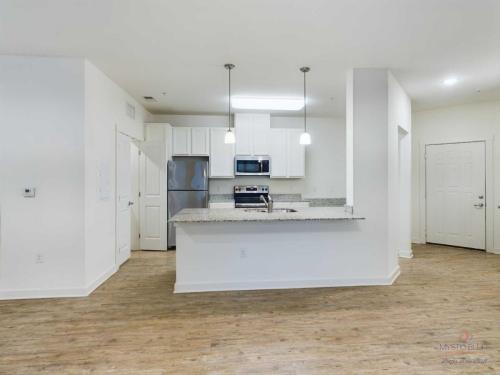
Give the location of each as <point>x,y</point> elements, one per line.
<point>140,152</point>
<point>139,235</point>
<point>139,194</point>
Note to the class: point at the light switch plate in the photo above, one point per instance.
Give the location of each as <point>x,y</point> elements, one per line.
<point>29,192</point>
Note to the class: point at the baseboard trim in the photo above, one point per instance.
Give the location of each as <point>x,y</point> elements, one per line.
<point>101,279</point>
<point>42,293</point>
<point>283,284</point>
<point>58,293</point>
<point>407,255</point>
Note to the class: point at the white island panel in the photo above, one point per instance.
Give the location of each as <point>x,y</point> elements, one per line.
<point>218,256</point>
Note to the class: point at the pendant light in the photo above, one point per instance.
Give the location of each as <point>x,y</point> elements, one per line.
<point>229,137</point>
<point>305,137</point>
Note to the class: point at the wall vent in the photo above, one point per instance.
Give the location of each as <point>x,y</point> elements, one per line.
<point>150,99</point>
<point>131,111</point>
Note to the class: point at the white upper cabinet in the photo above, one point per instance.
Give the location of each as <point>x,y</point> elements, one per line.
<point>252,133</point>
<point>243,128</point>
<point>181,141</point>
<point>287,154</point>
<point>221,155</point>
<point>200,141</point>
<point>278,153</point>
<point>261,127</point>
<point>190,141</point>
<point>296,154</point>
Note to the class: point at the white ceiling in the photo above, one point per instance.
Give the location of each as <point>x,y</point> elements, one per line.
<point>179,47</point>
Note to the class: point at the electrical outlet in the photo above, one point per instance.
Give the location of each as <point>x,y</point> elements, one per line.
<point>29,192</point>
<point>243,253</point>
<point>39,258</point>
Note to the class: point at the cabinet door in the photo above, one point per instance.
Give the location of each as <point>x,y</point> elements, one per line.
<point>295,154</point>
<point>221,154</point>
<point>181,141</point>
<point>278,152</point>
<point>243,123</point>
<point>199,141</point>
<point>261,127</point>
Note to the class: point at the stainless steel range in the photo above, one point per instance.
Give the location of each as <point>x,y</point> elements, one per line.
<point>249,196</point>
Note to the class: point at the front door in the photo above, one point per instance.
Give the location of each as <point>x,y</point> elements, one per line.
<point>456,194</point>
<point>123,198</point>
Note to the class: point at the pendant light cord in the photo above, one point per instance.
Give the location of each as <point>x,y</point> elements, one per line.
<point>229,104</point>
<point>229,67</point>
<point>304,70</point>
<point>305,104</point>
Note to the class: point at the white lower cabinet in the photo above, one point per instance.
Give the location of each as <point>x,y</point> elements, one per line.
<point>221,155</point>
<point>287,154</point>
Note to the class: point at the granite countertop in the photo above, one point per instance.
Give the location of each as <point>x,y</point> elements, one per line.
<point>313,202</point>
<point>200,215</point>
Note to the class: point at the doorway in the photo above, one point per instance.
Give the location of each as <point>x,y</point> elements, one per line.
<point>455,178</point>
<point>123,198</point>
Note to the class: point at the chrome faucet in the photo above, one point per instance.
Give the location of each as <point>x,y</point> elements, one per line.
<point>268,202</point>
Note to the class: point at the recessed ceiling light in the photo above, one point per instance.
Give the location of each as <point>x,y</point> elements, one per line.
<point>450,81</point>
<point>267,103</point>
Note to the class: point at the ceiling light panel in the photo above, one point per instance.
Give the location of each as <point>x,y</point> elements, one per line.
<point>267,103</point>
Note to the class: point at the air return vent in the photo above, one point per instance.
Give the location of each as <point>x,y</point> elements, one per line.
<point>150,99</point>
<point>131,111</point>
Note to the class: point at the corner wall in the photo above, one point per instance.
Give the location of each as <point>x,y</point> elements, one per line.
<point>379,109</point>
<point>41,146</point>
<point>105,114</point>
<point>59,117</point>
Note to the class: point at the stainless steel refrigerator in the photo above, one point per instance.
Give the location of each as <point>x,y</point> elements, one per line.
<point>187,184</point>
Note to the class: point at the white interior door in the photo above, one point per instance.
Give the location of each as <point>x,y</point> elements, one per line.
<point>456,194</point>
<point>134,196</point>
<point>123,198</point>
<point>153,183</point>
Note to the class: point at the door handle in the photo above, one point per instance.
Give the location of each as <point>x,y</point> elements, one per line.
<point>479,205</point>
<point>130,203</point>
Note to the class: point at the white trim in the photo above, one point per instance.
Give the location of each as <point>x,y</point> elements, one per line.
<point>42,293</point>
<point>57,293</point>
<point>404,254</point>
<point>101,279</point>
<point>284,284</point>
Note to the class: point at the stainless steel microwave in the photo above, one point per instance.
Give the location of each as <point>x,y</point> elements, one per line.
<point>252,165</point>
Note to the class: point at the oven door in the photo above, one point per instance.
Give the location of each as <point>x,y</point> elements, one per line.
<point>252,166</point>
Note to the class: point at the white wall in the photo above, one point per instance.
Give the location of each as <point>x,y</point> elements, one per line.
<point>379,107</point>
<point>105,113</point>
<point>58,135</point>
<point>472,122</point>
<point>325,157</point>
<point>41,146</point>
<point>399,168</point>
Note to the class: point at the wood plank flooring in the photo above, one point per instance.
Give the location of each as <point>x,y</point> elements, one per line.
<point>133,324</point>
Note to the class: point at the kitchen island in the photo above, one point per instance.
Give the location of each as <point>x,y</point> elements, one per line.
<point>239,249</point>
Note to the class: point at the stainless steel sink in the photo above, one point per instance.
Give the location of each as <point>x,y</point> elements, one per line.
<point>255,210</point>
<point>284,210</point>
<point>279,210</point>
